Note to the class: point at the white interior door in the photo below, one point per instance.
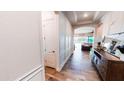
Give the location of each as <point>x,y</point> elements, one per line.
<point>50,42</point>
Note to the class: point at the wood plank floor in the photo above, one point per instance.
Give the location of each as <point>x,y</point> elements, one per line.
<point>78,68</point>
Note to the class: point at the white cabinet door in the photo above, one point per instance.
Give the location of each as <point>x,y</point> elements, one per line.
<point>106,24</point>
<point>116,23</point>
<point>122,23</point>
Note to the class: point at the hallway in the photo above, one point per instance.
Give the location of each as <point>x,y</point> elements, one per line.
<point>77,68</point>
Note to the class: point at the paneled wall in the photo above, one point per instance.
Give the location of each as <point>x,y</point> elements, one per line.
<point>65,38</point>
<point>20,51</point>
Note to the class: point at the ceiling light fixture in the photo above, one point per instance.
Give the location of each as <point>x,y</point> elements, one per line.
<point>85,15</point>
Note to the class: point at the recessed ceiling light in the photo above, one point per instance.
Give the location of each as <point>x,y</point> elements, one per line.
<point>85,15</point>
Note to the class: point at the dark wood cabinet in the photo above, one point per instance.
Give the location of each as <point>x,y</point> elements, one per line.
<point>109,67</point>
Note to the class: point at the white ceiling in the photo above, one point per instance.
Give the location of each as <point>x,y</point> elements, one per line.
<point>82,30</point>
<point>77,17</point>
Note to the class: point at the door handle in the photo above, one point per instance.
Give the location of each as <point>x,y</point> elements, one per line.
<point>52,52</point>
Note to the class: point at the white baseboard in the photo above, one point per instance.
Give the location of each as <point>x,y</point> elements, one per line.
<point>28,76</point>
<point>62,65</point>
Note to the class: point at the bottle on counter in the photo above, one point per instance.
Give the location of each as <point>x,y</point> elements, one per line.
<point>99,46</point>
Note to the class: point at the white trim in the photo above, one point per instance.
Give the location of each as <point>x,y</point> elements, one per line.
<point>62,65</point>
<point>31,74</point>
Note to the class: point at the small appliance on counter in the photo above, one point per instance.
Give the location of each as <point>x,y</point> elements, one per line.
<point>100,46</point>
<point>121,49</point>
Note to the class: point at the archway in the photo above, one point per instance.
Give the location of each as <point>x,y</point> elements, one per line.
<point>84,38</point>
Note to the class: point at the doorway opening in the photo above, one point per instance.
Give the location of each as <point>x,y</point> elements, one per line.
<point>84,38</point>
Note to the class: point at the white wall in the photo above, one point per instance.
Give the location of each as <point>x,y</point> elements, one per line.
<point>20,53</point>
<point>65,39</point>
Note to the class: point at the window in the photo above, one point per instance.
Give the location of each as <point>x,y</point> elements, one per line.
<point>86,39</point>
<point>90,39</point>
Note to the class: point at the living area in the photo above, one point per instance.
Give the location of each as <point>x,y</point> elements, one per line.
<point>84,38</point>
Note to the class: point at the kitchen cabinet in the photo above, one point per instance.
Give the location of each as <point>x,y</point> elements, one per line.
<point>109,67</point>
<point>116,23</point>
<point>113,23</point>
